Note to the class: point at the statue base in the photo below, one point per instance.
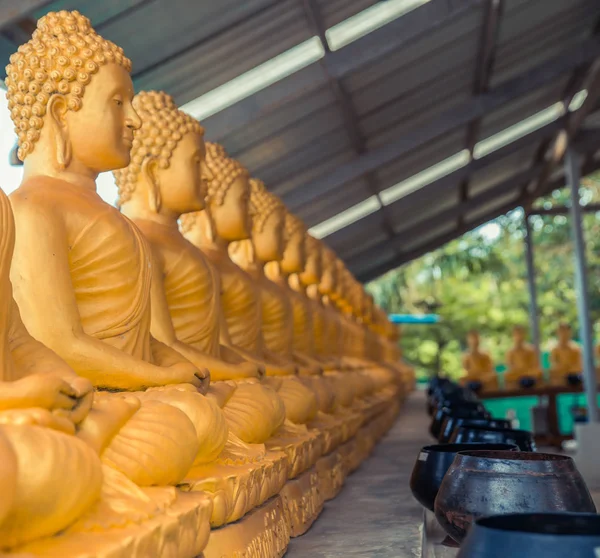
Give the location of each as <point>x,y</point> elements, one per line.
<point>302,446</point>
<point>182,531</point>
<point>303,501</point>
<point>330,469</point>
<point>263,533</point>
<point>238,489</point>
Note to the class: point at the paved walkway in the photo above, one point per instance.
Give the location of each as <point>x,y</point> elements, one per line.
<point>375,515</point>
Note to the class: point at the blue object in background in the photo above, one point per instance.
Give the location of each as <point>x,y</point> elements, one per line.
<point>414,318</point>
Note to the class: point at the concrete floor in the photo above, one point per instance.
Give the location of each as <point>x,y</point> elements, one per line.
<point>375,515</point>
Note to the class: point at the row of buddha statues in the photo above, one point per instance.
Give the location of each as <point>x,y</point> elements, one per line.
<point>188,373</point>
<point>523,363</point>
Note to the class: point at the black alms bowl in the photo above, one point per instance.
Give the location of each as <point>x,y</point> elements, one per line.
<point>550,535</point>
<point>433,462</point>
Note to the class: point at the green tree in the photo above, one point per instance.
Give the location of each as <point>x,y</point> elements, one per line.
<point>479,281</point>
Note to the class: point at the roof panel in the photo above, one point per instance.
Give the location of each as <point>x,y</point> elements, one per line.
<point>406,216</point>
<point>304,177</point>
<point>524,107</point>
<point>331,204</point>
<point>294,138</point>
<point>421,159</point>
<point>502,170</point>
<point>277,170</point>
<point>489,207</point>
<point>455,64</point>
<point>416,242</point>
<point>283,118</point>
<point>211,50</point>
<point>409,58</point>
<point>336,11</point>
<point>538,31</point>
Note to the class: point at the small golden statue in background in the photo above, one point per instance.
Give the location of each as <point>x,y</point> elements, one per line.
<point>522,361</point>
<point>478,364</point>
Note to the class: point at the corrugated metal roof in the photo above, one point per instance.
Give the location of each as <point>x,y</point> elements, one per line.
<point>376,113</point>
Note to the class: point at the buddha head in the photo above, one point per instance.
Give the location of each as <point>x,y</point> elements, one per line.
<point>228,201</point>
<point>70,97</point>
<point>294,253</point>
<point>329,275</point>
<point>268,223</point>
<point>473,341</point>
<point>564,333</point>
<point>519,335</point>
<point>168,172</point>
<point>313,269</point>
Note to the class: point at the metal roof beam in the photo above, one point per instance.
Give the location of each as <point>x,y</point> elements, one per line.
<point>368,275</point>
<point>574,121</point>
<point>349,118</point>
<point>436,243</point>
<point>420,22</point>
<point>450,120</point>
<point>483,70</point>
<point>449,214</point>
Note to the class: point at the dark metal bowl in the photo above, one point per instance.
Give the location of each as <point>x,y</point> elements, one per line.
<point>465,410</point>
<point>452,423</point>
<point>574,379</point>
<point>485,483</point>
<point>527,382</point>
<point>551,535</point>
<point>467,434</point>
<point>433,462</point>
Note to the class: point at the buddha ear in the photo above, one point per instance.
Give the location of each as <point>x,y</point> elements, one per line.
<point>150,173</point>
<point>57,112</point>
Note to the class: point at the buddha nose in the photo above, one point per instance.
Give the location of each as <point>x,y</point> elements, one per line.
<point>132,119</point>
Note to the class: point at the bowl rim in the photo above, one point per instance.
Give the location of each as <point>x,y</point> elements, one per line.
<point>516,456</point>
<point>528,524</point>
<point>483,446</point>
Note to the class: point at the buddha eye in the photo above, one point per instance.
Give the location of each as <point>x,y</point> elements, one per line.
<point>118,102</point>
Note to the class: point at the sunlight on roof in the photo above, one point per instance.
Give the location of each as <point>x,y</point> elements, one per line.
<point>369,20</point>
<point>298,57</point>
<point>578,100</point>
<point>258,78</point>
<point>345,218</point>
<point>519,130</point>
<point>433,173</point>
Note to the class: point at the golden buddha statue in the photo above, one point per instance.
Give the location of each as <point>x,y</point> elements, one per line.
<point>565,357</point>
<point>266,245</point>
<point>478,365</point>
<point>522,361</point>
<point>227,219</point>
<point>308,392</point>
<point>185,312</point>
<point>81,278</point>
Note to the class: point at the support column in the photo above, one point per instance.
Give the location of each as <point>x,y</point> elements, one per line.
<point>534,317</point>
<point>572,172</point>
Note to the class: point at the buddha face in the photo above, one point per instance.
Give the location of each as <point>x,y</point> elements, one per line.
<point>231,218</point>
<point>100,133</point>
<point>519,335</point>
<point>473,340</point>
<point>564,334</point>
<point>294,254</point>
<point>183,185</point>
<point>313,268</point>
<point>268,242</point>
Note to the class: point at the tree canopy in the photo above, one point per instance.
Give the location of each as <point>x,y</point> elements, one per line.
<point>479,281</point>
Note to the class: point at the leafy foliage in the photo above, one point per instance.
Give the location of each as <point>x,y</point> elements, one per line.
<point>479,281</point>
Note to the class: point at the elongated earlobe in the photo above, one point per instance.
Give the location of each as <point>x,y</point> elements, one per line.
<point>149,171</point>
<point>57,108</point>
